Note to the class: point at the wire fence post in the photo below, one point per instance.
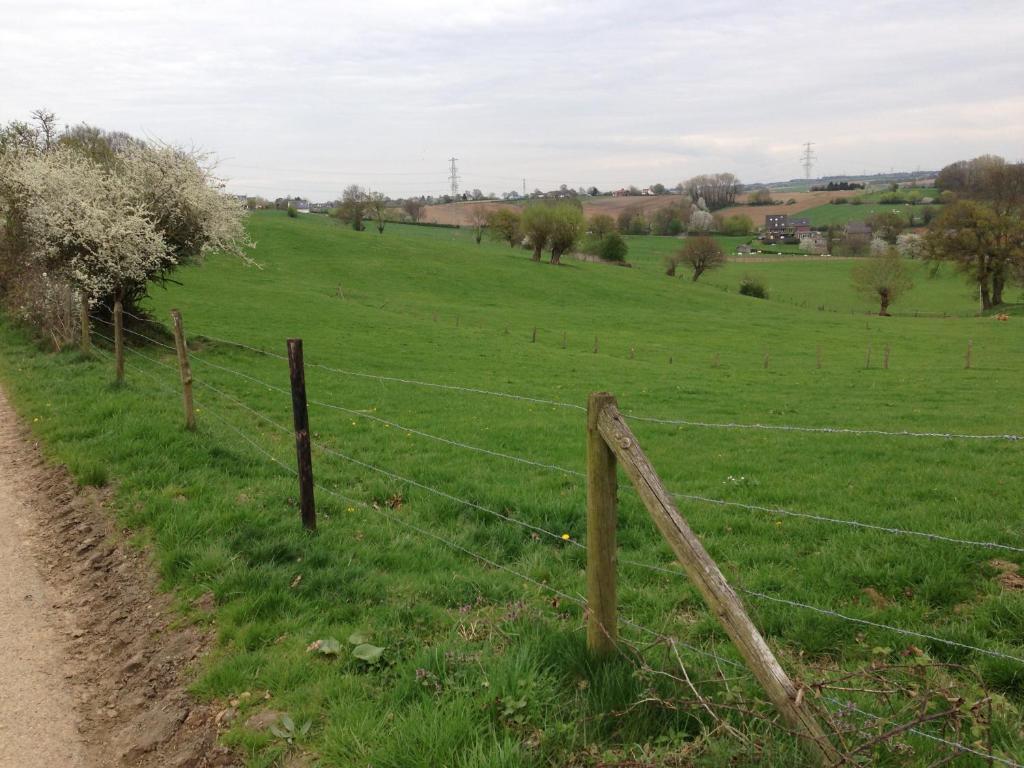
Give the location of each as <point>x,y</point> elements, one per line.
<point>704,573</point>
<point>185,369</point>
<point>83,321</point>
<point>300,415</point>
<point>602,605</point>
<point>118,340</point>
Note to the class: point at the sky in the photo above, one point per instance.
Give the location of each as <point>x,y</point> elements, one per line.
<point>305,98</point>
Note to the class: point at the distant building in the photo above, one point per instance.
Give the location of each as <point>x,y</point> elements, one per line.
<point>858,228</point>
<point>743,249</point>
<point>779,227</point>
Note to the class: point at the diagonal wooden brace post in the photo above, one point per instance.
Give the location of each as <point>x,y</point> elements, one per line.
<point>717,593</point>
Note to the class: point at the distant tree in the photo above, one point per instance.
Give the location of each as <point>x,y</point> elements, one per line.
<point>760,196</point>
<point>631,221</point>
<point>478,216</point>
<point>601,224</point>
<point>414,208</point>
<point>887,225</point>
<point>983,245</point>
<point>666,221</point>
<point>537,224</point>
<point>567,226</point>
<point>658,189</point>
<point>612,247</point>
<point>504,225</point>
<point>477,194</point>
<point>884,277</point>
<point>292,211</point>
<point>699,254</point>
<point>593,191</point>
<point>910,246</point>
<point>717,190</point>
<point>700,219</point>
<point>353,207</point>
<point>736,225</point>
<point>377,205</point>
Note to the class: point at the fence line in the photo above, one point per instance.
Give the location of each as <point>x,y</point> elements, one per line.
<point>379,510</point>
<point>878,625</point>
<point>576,473</point>
<point>635,416</point>
<point>956,746</point>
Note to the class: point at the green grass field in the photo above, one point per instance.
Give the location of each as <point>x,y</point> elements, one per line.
<point>481,667</point>
<point>827,214</point>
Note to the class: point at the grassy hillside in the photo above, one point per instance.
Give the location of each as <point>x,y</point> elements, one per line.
<point>824,215</point>
<point>482,667</point>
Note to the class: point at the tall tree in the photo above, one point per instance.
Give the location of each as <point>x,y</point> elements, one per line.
<point>567,226</point>
<point>984,245</point>
<point>353,207</point>
<point>478,220</point>
<point>537,222</point>
<point>377,203</point>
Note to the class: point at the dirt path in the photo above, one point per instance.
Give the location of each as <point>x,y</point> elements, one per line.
<point>93,674</point>
<point>37,725</point>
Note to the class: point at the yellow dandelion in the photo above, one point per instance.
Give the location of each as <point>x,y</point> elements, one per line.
<point>566,537</point>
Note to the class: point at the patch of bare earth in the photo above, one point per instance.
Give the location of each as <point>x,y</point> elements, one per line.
<point>459,213</point>
<point>106,671</point>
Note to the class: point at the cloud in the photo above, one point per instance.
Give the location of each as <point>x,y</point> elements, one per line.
<point>309,98</point>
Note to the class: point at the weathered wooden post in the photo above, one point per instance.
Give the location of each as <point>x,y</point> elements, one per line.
<point>300,415</point>
<point>118,340</point>
<point>704,573</point>
<point>83,321</point>
<point>602,604</point>
<point>563,339</point>
<point>970,349</point>
<point>184,368</point>
<point>533,338</point>
<point>867,358</point>
<point>767,359</point>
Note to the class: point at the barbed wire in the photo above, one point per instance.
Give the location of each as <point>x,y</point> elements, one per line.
<point>630,414</point>
<point>957,746</point>
<point>775,510</point>
<point>878,625</point>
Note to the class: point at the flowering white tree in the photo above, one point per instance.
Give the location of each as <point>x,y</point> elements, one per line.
<point>910,246</point>
<point>105,224</point>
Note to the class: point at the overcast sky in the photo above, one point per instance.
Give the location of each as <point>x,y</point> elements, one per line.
<point>307,97</point>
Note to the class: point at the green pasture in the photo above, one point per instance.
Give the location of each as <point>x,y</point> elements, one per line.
<point>483,664</point>
<point>823,215</point>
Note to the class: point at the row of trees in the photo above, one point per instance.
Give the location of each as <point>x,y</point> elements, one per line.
<point>99,215</point>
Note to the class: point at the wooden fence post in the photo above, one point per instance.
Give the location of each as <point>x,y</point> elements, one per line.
<point>185,369</point>
<point>818,355</point>
<point>533,338</point>
<point>83,321</point>
<point>118,340</point>
<point>595,345</point>
<point>704,573</point>
<point>602,630</point>
<point>767,358</point>
<point>867,359</point>
<point>967,358</point>
<point>563,339</point>
<point>300,416</point>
